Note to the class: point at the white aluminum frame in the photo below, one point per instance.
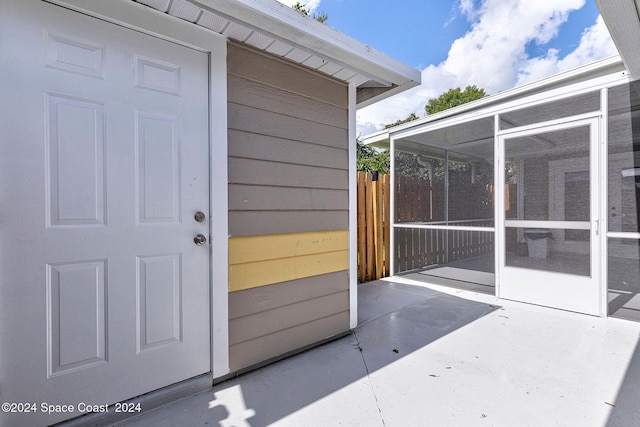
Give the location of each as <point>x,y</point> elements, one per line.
<point>443,227</point>
<point>392,207</point>
<point>525,96</point>
<point>603,187</point>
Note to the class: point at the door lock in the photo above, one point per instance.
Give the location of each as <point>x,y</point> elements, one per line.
<point>200,240</point>
<point>199,216</point>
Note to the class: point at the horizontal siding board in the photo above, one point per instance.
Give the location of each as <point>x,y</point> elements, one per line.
<point>274,246</point>
<point>288,147</point>
<point>246,92</point>
<point>248,63</point>
<point>264,298</point>
<point>260,273</point>
<point>263,260</point>
<point>263,122</point>
<point>268,322</point>
<point>249,223</point>
<point>252,352</point>
<point>252,198</point>
<point>260,172</point>
<point>255,146</point>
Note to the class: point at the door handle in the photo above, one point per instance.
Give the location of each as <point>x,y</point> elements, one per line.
<point>200,240</point>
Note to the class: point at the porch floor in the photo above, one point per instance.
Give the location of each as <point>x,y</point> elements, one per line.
<point>424,354</point>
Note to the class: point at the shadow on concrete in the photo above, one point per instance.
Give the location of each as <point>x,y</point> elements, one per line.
<point>394,321</point>
<point>624,284</point>
<point>626,411</point>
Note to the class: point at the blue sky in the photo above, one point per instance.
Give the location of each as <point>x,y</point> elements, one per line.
<point>494,44</point>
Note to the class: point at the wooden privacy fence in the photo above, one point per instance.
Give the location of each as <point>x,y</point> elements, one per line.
<point>418,200</point>
<point>417,248</point>
<point>374,220</point>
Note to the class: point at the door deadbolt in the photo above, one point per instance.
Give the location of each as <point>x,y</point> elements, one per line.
<point>200,240</point>
<point>199,216</point>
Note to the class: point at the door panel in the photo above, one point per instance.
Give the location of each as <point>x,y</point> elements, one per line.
<point>103,164</point>
<point>550,252</point>
<point>75,133</point>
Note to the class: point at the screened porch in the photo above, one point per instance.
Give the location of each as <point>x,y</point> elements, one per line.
<point>533,198</point>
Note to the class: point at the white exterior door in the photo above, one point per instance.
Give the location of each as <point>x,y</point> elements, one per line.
<point>104,156</point>
<point>549,243</point>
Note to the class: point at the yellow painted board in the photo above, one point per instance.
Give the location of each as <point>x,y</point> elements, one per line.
<point>273,246</point>
<point>261,273</point>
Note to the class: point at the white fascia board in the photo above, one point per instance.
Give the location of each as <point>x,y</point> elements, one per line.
<point>623,22</point>
<point>379,139</point>
<point>284,23</point>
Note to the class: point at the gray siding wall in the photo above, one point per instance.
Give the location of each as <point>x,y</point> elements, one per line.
<point>270,321</point>
<point>288,147</point>
<point>288,173</point>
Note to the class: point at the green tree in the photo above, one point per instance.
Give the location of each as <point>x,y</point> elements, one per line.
<point>407,163</point>
<point>369,159</point>
<point>320,16</point>
<point>453,98</point>
<point>413,165</point>
<point>411,118</point>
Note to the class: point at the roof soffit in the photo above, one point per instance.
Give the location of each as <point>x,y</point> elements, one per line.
<point>280,30</point>
<point>623,22</point>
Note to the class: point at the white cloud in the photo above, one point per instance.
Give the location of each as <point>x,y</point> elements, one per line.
<point>468,9</point>
<point>312,5</point>
<point>492,54</point>
<point>595,43</point>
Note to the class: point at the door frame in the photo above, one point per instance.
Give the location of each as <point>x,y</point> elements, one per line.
<point>598,194</point>
<point>135,16</point>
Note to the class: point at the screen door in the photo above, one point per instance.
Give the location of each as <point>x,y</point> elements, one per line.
<point>548,216</point>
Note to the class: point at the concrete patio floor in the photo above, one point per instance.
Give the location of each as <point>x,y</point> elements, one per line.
<point>426,355</point>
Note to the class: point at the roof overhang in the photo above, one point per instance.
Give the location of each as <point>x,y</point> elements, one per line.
<point>623,22</point>
<point>280,30</point>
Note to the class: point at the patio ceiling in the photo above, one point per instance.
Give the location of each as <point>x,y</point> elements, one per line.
<point>278,29</point>
<point>470,140</point>
<point>623,21</point>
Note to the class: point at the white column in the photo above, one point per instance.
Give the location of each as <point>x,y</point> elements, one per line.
<point>353,212</point>
<point>219,211</point>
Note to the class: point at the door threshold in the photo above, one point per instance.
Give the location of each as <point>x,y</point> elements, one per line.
<point>148,402</point>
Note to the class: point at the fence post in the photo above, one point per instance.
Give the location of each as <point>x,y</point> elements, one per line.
<point>362,228</point>
<point>369,221</point>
